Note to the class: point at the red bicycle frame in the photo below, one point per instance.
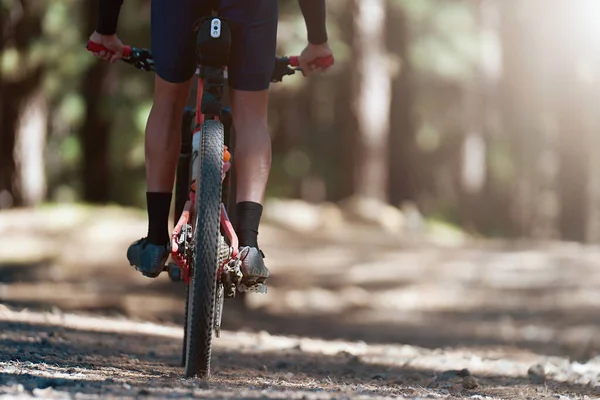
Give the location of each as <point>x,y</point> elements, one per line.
<point>188,208</point>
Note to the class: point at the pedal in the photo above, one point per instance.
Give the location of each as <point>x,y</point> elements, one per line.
<point>256,288</point>
<point>175,273</point>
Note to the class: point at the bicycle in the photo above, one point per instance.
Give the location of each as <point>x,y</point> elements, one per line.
<point>204,245</point>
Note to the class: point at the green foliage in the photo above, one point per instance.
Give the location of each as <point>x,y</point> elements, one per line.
<point>312,120</point>
<point>445,38</point>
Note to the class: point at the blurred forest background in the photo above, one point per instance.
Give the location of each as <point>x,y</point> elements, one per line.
<point>481,113</point>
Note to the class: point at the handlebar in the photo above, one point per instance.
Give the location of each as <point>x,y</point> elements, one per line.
<point>142,59</point>
<point>319,62</point>
<point>97,48</point>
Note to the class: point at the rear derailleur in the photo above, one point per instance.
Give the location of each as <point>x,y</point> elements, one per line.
<point>231,276</point>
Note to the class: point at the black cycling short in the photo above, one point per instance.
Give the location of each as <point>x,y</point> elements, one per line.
<point>254,35</point>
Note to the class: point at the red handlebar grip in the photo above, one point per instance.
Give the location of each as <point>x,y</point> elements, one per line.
<point>319,62</point>
<point>97,48</point>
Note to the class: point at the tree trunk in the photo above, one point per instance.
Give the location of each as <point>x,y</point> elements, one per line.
<point>22,113</point>
<point>402,147</point>
<point>371,99</point>
<point>518,108</point>
<point>592,228</point>
<point>29,149</point>
<point>94,134</point>
<point>546,206</point>
<point>95,138</point>
<point>344,155</point>
<point>480,192</point>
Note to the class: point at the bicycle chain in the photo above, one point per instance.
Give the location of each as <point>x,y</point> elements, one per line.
<point>223,255</point>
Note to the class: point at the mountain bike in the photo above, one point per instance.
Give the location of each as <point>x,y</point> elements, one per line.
<point>204,244</point>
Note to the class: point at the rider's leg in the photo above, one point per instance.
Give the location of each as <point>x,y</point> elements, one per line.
<point>254,36</point>
<point>163,142</point>
<point>173,43</point>
<point>252,160</point>
<point>162,145</point>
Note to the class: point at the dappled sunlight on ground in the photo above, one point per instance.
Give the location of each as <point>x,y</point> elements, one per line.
<point>357,283</point>
<point>58,355</point>
<point>351,311</point>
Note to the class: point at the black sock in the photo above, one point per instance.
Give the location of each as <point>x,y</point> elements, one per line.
<point>248,219</point>
<point>159,205</point>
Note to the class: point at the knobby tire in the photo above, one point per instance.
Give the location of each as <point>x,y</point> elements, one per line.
<point>202,288</point>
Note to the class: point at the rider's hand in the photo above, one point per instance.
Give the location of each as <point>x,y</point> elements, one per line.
<point>111,42</point>
<point>312,52</point>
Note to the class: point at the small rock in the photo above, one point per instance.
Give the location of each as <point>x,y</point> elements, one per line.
<point>282,365</point>
<point>592,378</point>
<point>43,393</point>
<point>143,392</point>
<point>470,382</point>
<point>204,384</point>
<point>452,374</point>
<point>49,383</point>
<point>354,360</point>
<point>378,377</point>
<point>537,374</point>
<point>373,212</point>
<point>126,386</point>
<point>411,377</point>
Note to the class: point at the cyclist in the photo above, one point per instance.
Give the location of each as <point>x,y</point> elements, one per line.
<point>254,31</point>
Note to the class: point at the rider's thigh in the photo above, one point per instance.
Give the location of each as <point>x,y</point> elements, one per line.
<point>173,38</point>
<point>254,39</point>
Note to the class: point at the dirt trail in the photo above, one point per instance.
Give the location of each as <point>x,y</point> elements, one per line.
<point>350,315</point>
<point>65,356</point>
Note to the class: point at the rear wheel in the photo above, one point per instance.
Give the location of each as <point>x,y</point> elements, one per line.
<point>203,285</point>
